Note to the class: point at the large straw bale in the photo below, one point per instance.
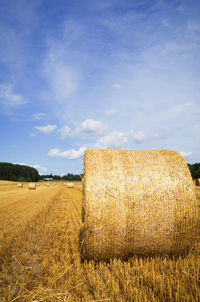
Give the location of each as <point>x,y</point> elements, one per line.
<point>32,186</point>
<point>197,182</point>
<point>137,202</point>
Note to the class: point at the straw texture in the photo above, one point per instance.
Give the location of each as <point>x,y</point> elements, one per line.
<point>137,202</point>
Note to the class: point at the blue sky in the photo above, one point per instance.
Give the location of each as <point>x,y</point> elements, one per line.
<point>97,74</point>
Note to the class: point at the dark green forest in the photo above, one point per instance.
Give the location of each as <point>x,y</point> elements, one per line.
<point>194,170</point>
<point>16,172</point>
<point>22,173</point>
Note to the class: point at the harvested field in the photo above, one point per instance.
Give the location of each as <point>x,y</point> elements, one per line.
<point>40,258</point>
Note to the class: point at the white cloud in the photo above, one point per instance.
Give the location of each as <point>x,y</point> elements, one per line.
<point>46,129</point>
<point>9,98</point>
<point>36,166</point>
<point>142,135</point>
<point>139,136</point>
<point>195,128</point>
<point>39,168</point>
<point>91,127</point>
<point>110,112</point>
<point>116,86</point>
<point>161,132</point>
<point>21,164</point>
<point>33,134</point>
<point>180,108</point>
<point>113,140</point>
<point>186,155</point>
<point>64,132</point>
<point>39,116</point>
<point>67,154</point>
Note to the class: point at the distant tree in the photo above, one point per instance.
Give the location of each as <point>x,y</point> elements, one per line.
<point>194,170</point>
<point>21,179</point>
<point>13,172</point>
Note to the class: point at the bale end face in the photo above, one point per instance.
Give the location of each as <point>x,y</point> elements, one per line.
<point>70,185</point>
<point>137,202</point>
<point>32,186</point>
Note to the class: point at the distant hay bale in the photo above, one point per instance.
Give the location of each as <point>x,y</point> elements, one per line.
<point>70,185</point>
<point>20,185</point>
<point>48,185</point>
<point>32,186</point>
<point>197,182</point>
<point>137,202</point>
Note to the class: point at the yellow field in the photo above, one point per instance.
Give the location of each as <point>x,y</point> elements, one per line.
<point>40,259</point>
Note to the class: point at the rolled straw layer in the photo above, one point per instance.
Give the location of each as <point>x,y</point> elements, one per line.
<point>137,202</point>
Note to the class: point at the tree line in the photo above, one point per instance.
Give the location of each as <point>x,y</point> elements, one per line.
<point>17,172</point>
<point>69,177</point>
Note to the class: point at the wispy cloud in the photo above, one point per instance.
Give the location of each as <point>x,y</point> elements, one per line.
<point>186,155</point>
<point>113,140</point>
<point>178,109</point>
<point>39,115</point>
<point>64,132</point>
<point>143,135</point>
<point>110,112</point>
<point>46,129</point>
<point>9,98</point>
<point>21,164</point>
<point>61,77</point>
<point>116,86</point>
<point>40,168</point>
<point>67,154</point>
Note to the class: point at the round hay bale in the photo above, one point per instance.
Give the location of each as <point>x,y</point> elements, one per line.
<point>48,185</point>
<point>137,202</point>
<point>197,182</point>
<point>70,185</point>
<point>20,185</point>
<point>32,186</point>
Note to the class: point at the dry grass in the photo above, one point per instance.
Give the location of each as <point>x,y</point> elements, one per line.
<point>40,259</point>
<point>5,182</point>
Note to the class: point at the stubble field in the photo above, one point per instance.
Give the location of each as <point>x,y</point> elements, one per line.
<point>40,258</point>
